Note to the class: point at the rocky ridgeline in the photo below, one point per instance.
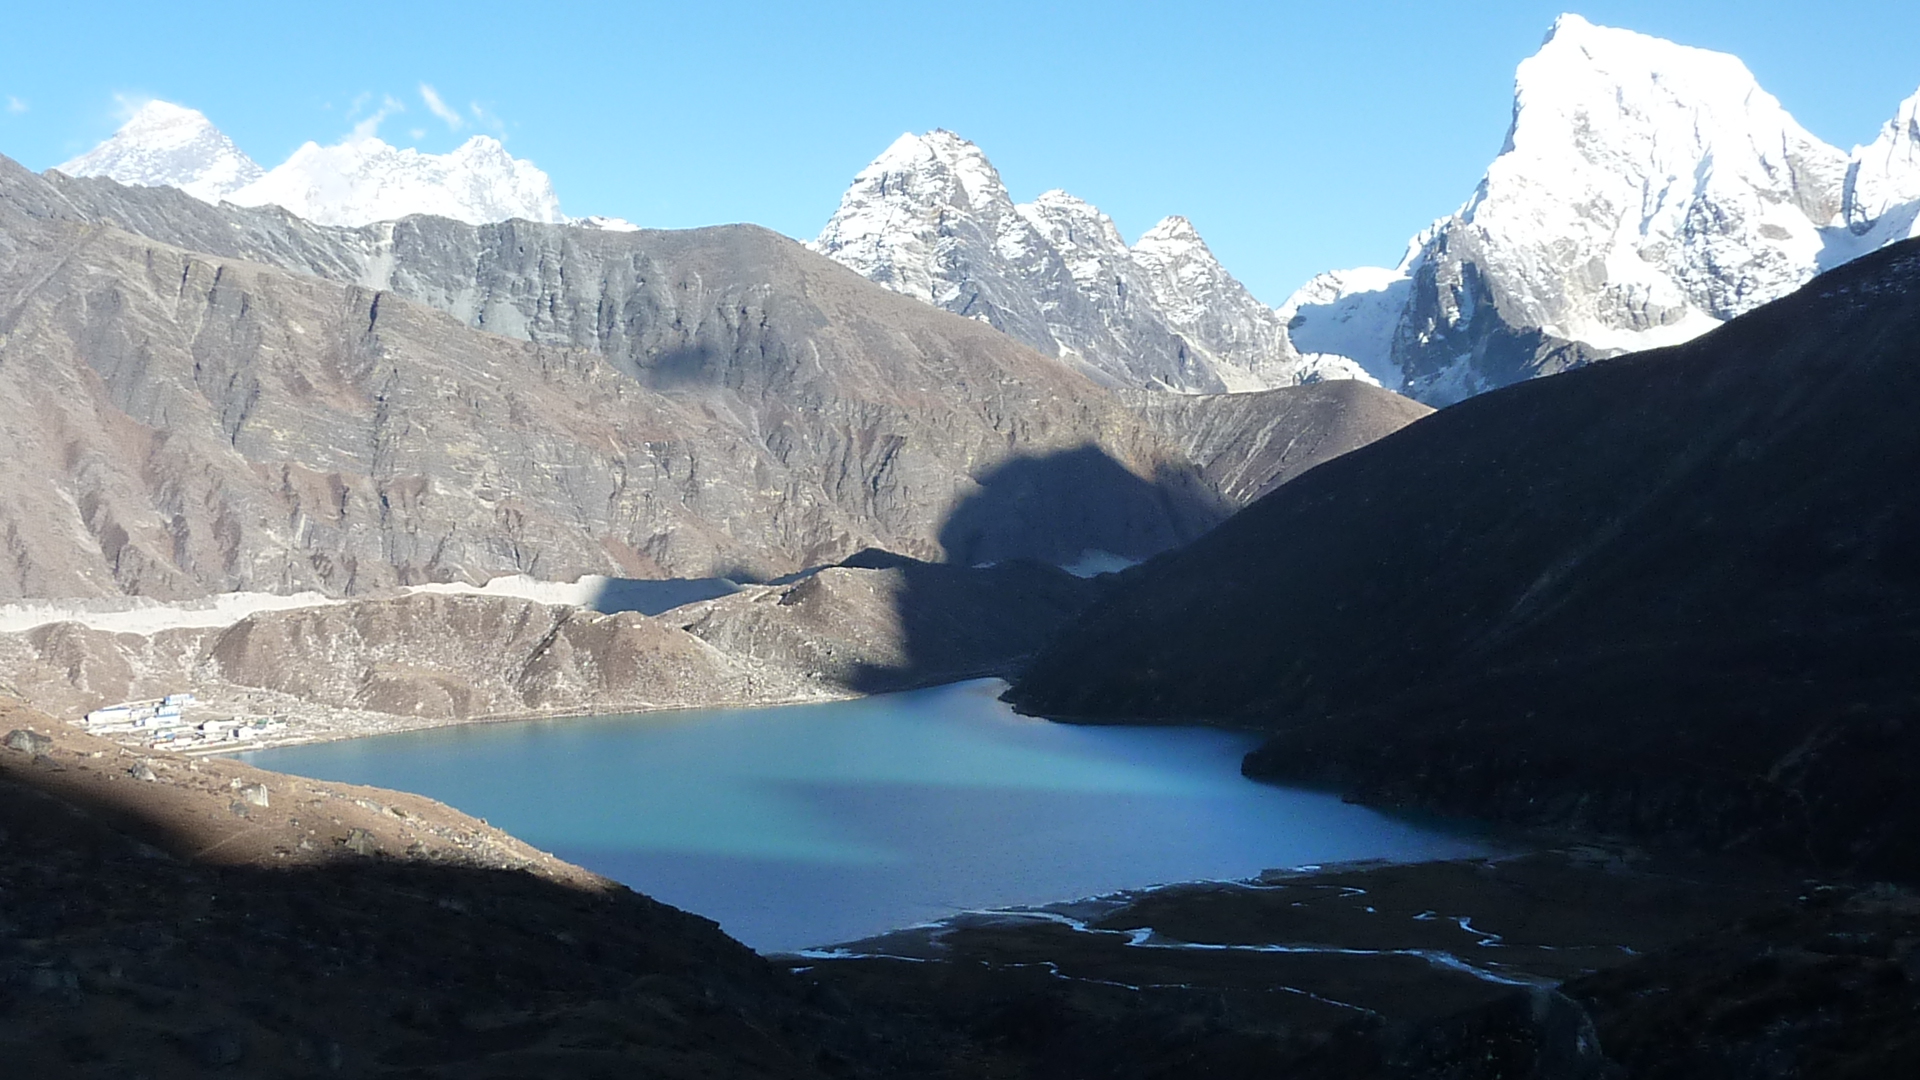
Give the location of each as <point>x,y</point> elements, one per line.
<point>370,666</point>
<point>931,219</point>
<point>225,399</point>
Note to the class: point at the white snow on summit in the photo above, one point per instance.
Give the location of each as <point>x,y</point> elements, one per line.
<point>166,145</point>
<point>1647,192</point>
<point>1351,316</point>
<point>930,218</point>
<point>1647,184</point>
<point>356,182</point>
<point>1207,304</point>
<point>364,180</point>
<point>1881,197</point>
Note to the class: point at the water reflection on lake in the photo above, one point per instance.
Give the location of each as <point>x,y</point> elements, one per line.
<point>810,824</point>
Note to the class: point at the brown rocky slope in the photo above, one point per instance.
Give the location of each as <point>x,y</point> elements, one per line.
<point>207,399</point>
<point>185,423</point>
<point>881,622</point>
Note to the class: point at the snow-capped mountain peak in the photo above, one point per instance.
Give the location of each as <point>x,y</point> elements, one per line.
<point>893,225</point>
<point>168,145</point>
<point>931,218</point>
<point>1668,183</point>
<point>1647,191</point>
<point>1883,178</point>
<point>362,181</point>
<point>1172,235</point>
<point>1086,239</point>
<point>1180,269</point>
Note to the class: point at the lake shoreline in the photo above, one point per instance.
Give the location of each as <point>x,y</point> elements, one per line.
<point>878,812</point>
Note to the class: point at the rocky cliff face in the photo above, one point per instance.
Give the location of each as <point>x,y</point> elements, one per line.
<point>1647,192</point>
<point>930,218</point>
<point>636,403</point>
<point>227,398</point>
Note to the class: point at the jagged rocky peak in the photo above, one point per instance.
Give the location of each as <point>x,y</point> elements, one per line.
<point>1882,190</point>
<point>898,223</point>
<point>1210,307</point>
<point>364,180</point>
<point>1180,268</point>
<point>1087,241</point>
<point>168,145</point>
<point>931,218</point>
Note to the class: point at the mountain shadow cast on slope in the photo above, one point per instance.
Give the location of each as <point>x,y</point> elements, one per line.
<point>1001,594</point>
<point>1056,507</point>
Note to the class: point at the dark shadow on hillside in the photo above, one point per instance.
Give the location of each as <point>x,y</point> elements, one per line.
<point>961,622</point>
<point>119,960</point>
<point>1056,507</point>
<point>1001,594</point>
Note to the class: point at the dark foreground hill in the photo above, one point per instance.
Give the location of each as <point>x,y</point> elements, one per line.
<point>172,918</point>
<point>1676,594</point>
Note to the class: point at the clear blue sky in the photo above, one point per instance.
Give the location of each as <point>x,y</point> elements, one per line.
<point>1297,136</point>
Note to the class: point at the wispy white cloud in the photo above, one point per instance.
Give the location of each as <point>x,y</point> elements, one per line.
<point>488,120</point>
<point>125,105</point>
<point>15,106</point>
<point>439,108</point>
<point>417,133</point>
<point>369,126</point>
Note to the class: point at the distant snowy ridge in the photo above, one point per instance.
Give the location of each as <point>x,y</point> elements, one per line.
<point>356,182</point>
<point>1647,192</point>
<point>165,145</point>
<point>362,181</point>
<point>930,218</point>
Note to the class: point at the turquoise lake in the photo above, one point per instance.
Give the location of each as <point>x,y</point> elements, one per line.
<point>812,824</point>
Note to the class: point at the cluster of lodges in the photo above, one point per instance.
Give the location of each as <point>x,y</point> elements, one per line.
<point>163,724</point>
